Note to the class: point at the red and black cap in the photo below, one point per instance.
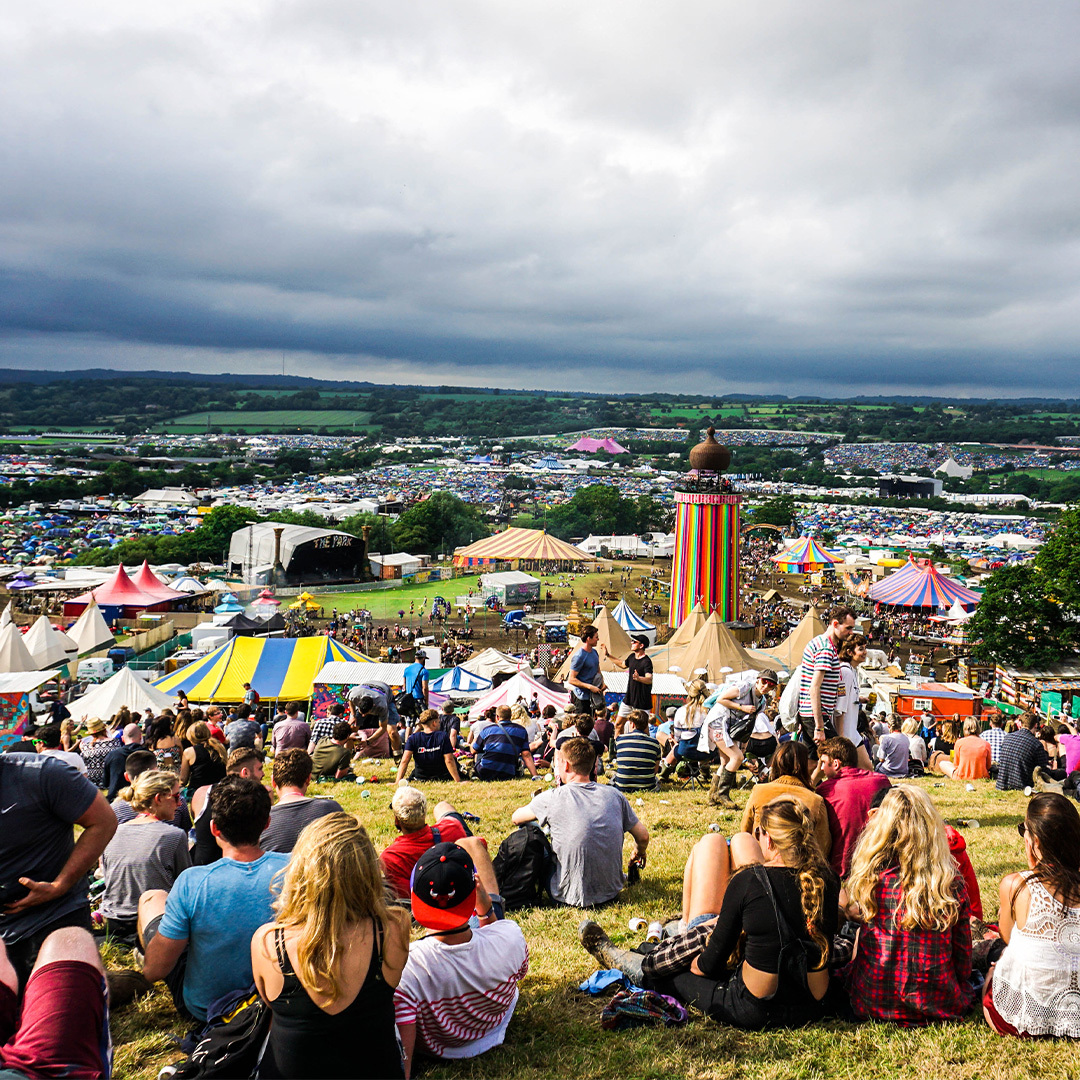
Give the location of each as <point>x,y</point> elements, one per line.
<point>443,889</point>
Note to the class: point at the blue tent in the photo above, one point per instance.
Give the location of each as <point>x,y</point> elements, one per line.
<point>459,679</point>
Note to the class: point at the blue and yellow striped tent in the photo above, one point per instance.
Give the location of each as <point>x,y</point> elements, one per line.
<point>278,669</point>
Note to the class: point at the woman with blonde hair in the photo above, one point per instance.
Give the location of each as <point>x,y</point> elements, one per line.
<point>917,750</point>
<point>203,762</point>
<point>68,741</point>
<point>147,852</point>
<point>770,900</point>
<point>686,727</point>
<point>329,965</point>
<point>912,962</point>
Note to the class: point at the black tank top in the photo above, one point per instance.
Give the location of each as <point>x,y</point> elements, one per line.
<point>360,1041</point>
<point>206,849</point>
<point>207,769</point>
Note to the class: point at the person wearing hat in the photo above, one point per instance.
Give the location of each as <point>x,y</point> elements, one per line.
<point>95,748</point>
<point>748,698</point>
<point>459,987</point>
<point>639,684</point>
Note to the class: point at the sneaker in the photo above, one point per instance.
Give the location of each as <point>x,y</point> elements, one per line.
<point>126,985</point>
<point>1043,781</point>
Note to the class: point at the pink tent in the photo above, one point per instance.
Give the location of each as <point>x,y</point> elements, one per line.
<point>588,445</point>
<point>152,585</point>
<point>121,596</point>
<point>520,685</point>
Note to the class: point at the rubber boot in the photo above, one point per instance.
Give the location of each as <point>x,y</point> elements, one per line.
<point>720,791</point>
<point>706,771</point>
<point>610,955</point>
<point>667,770</point>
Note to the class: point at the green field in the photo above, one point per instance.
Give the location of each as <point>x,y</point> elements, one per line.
<point>276,419</point>
<point>556,1031</point>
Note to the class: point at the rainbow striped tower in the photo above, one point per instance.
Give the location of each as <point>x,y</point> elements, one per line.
<point>706,563</point>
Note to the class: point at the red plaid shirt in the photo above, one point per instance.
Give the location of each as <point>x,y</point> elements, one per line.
<point>911,976</point>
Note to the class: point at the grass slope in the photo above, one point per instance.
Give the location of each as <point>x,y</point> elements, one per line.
<point>556,1030</point>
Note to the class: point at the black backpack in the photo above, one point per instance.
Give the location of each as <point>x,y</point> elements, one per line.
<point>523,867</point>
<point>233,1041</point>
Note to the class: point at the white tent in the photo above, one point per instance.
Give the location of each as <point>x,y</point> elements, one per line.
<point>14,655</point>
<point>5,617</point>
<point>90,630</point>
<point>48,646</point>
<point>520,685</point>
<point>124,688</point>
<point>491,662</point>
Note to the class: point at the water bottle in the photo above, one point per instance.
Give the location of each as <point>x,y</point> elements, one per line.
<point>967,823</point>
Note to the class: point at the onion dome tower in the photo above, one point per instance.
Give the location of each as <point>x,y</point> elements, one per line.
<point>706,563</point>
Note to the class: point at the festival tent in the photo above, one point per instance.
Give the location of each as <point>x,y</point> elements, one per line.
<point>277,668</point>
<point>5,617</point>
<point>491,662</point>
<point>927,588</point>
<point>714,648</point>
<point>588,445</point>
<point>688,628</point>
<point>48,646</point>
<point>460,679</point>
<point>527,545</point>
<point>229,605</point>
<point>120,596</point>
<point>151,584</point>
<point>520,685</point>
<point>14,655</point>
<point>90,631</point>
<point>187,584</point>
<point>612,636</point>
<point>805,556</point>
<point>123,688</point>
<point>632,622</point>
<point>789,652</point>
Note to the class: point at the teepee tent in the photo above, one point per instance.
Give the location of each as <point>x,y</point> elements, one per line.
<point>90,631</point>
<point>14,655</point>
<point>123,688</point>
<point>612,636</point>
<point>789,651</point>
<point>687,630</point>
<point>48,646</point>
<point>714,648</point>
<point>491,662</point>
<point>5,617</point>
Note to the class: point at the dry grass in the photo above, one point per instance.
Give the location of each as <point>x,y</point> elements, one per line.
<point>556,1032</point>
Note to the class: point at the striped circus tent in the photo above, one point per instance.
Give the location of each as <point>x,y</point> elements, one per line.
<point>279,669</point>
<point>923,587</point>
<point>805,556</point>
<point>520,545</point>
<point>629,619</point>
<point>457,678</point>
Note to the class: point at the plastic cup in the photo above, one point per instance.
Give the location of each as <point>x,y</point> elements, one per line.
<point>365,794</point>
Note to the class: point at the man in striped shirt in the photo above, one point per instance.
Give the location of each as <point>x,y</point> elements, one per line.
<point>637,755</point>
<point>820,679</point>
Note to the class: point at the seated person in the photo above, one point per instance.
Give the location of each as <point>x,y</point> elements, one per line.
<point>140,762</point>
<point>913,960</point>
<point>324,727</point>
<point>789,777</point>
<point>973,756</point>
<point>637,755</point>
<point>243,731</point>
<point>587,821</point>
<point>848,792</point>
<point>433,750</point>
<point>294,807</point>
<point>1032,990</point>
<point>686,729</point>
<point>459,987</point>
<point>329,964</point>
<point>731,892</point>
<point>292,732</point>
<point>410,819</point>
<point>147,852</point>
<point>245,761</point>
<point>499,748</point>
<point>917,750</point>
<point>332,756</point>
<point>50,739</point>
<point>60,1025</point>
<point>893,750</point>
<point>197,936</point>
<point>450,722</point>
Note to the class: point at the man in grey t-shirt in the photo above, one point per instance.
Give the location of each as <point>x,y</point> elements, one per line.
<point>586,822</point>
<point>293,809</point>
<point>41,798</point>
<point>894,750</point>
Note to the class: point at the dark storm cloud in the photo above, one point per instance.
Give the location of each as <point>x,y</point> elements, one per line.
<point>809,198</point>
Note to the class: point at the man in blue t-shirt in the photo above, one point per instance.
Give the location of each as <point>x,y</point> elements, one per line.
<point>585,679</point>
<point>197,936</point>
<point>430,750</point>
<point>499,746</point>
<point>416,680</point>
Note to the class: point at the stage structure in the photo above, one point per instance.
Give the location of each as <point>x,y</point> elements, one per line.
<point>707,512</point>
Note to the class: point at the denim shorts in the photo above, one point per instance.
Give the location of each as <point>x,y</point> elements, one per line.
<point>697,920</point>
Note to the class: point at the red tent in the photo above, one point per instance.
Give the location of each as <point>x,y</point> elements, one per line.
<point>122,596</point>
<point>152,585</point>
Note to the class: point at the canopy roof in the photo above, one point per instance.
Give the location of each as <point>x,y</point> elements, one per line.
<point>490,663</point>
<point>459,678</point>
<point>351,673</point>
<point>277,668</point>
<point>123,688</point>
<point>629,619</point>
<point>789,652</point>
<point>90,631</point>
<point>529,544</point>
<point>806,554</point>
<point>923,586</point>
<point>48,646</point>
<point>520,685</point>
<point>612,636</point>
<point>14,655</point>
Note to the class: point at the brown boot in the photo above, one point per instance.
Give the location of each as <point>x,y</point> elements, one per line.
<point>719,792</point>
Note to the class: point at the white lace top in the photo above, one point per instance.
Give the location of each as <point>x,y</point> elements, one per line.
<point>1037,979</point>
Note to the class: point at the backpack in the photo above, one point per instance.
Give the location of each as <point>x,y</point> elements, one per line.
<point>523,867</point>
<point>233,1041</point>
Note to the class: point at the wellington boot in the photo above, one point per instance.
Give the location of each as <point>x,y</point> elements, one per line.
<point>719,792</point>
<point>667,770</point>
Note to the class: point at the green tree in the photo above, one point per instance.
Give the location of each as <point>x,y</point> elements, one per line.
<point>1016,623</point>
<point>1059,560</point>
<point>779,511</point>
<point>598,508</point>
<point>441,522</point>
<point>380,537</point>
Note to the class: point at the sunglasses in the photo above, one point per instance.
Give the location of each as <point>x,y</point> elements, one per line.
<point>1021,828</point>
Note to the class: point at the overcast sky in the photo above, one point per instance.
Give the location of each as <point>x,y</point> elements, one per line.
<point>831,198</point>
